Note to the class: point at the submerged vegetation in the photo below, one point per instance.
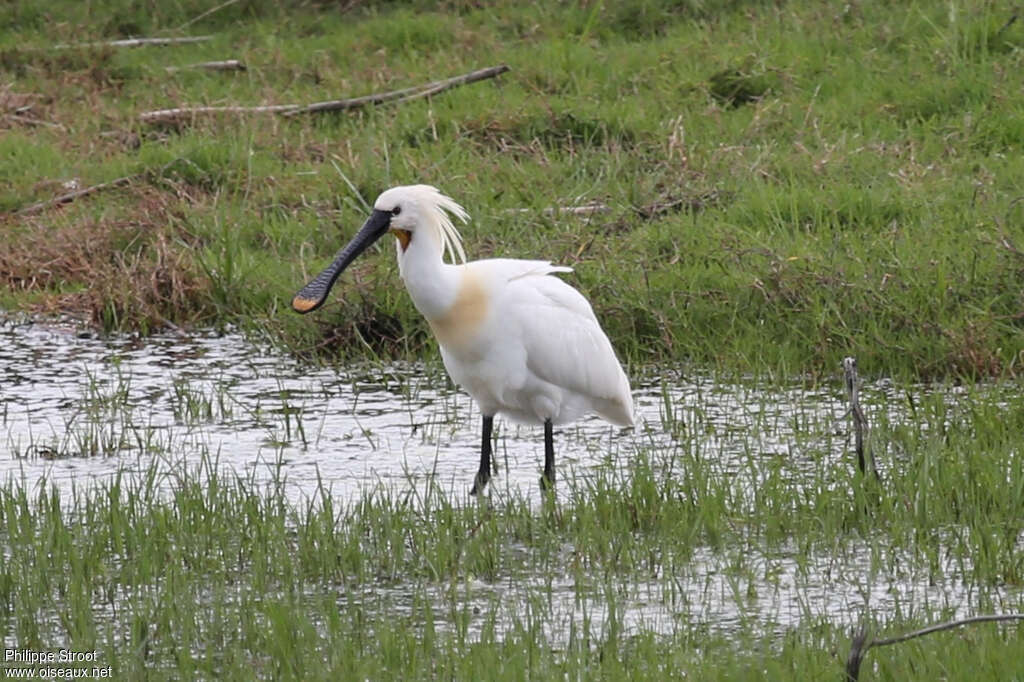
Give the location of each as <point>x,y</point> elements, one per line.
<point>780,184</point>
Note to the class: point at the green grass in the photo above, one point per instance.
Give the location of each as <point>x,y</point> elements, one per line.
<point>187,570</point>
<point>788,184</point>
<point>837,180</point>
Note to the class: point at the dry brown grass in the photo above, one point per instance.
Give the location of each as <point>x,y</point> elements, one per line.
<point>132,272</point>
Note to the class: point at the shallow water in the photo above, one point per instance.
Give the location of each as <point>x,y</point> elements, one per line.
<point>711,597</point>
<point>76,409</point>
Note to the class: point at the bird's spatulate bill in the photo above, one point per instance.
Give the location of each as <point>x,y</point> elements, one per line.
<point>313,295</point>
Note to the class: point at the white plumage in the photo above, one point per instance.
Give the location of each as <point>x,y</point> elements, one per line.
<point>518,339</point>
<point>540,352</point>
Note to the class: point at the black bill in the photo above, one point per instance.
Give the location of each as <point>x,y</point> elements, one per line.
<point>313,295</point>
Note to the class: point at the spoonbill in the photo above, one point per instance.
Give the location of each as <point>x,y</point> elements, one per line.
<point>520,341</point>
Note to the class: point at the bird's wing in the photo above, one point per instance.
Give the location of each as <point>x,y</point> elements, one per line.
<point>564,343</point>
<point>523,281</point>
<point>505,270</point>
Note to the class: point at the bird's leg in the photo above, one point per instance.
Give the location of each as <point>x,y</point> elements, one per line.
<point>548,482</point>
<point>484,473</point>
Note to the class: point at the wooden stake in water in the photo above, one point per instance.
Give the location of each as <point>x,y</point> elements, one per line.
<point>862,640</point>
<point>865,458</point>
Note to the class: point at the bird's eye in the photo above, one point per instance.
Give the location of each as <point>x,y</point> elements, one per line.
<point>396,210</point>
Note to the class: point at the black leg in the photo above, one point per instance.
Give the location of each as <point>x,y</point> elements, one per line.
<point>484,473</point>
<point>548,482</point>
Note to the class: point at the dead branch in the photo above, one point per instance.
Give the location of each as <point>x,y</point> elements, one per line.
<point>404,95</point>
<point>646,212</point>
<point>225,65</point>
<point>865,458</point>
<point>134,42</point>
<point>584,209</point>
<point>1005,242</point>
<point>165,115</point>
<point>71,196</point>
<point>27,120</point>
<point>407,94</point>
<point>862,642</point>
<point>858,647</point>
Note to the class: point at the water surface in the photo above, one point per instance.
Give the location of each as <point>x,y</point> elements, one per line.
<point>76,409</point>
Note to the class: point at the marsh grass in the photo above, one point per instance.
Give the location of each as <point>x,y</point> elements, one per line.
<point>654,568</point>
<point>846,177</point>
<point>786,184</point>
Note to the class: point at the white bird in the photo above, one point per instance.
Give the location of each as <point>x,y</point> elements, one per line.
<point>520,341</point>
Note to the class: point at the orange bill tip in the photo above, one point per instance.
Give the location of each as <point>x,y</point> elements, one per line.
<point>303,305</point>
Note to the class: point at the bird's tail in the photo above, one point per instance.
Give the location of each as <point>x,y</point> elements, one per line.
<point>616,410</point>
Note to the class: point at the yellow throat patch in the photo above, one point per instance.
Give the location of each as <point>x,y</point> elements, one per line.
<point>404,237</point>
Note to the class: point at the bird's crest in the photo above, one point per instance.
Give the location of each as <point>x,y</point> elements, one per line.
<point>436,210</point>
<point>444,207</point>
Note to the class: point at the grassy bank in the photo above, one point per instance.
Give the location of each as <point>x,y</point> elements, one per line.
<point>785,184</point>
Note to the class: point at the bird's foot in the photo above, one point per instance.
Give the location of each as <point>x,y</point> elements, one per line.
<point>479,483</point>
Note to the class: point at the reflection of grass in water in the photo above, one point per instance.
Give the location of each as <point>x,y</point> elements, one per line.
<point>191,571</point>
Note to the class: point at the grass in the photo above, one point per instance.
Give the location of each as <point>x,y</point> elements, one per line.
<point>705,546</point>
<point>789,184</point>
<point>191,571</point>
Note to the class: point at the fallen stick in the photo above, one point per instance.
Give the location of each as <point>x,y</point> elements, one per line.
<point>34,121</point>
<point>862,641</point>
<point>225,65</point>
<point>404,95</point>
<point>865,458</point>
<point>583,209</point>
<point>425,90</point>
<point>134,42</point>
<point>163,115</point>
<point>71,196</point>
